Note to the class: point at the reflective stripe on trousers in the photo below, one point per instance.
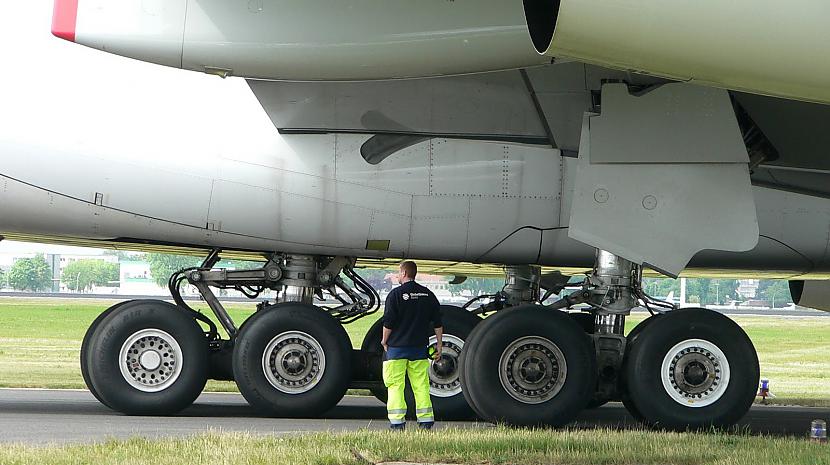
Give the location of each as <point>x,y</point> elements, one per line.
<point>394,377</point>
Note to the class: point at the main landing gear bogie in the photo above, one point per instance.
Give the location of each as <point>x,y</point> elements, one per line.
<point>533,365</point>
<point>291,358</point>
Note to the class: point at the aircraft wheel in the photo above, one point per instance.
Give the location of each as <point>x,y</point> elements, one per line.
<point>84,356</point>
<point>444,375</point>
<point>146,358</point>
<point>292,360</point>
<point>529,366</point>
<point>690,369</point>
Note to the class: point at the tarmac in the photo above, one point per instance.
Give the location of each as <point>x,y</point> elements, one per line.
<point>40,417</point>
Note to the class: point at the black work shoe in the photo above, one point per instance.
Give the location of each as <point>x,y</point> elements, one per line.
<point>426,425</point>
<point>398,427</point>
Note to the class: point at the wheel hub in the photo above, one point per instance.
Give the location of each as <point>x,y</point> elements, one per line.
<point>444,380</point>
<point>695,373</point>
<point>293,362</point>
<point>150,360</point>
<point>532,369</point>
<point>445,366</point>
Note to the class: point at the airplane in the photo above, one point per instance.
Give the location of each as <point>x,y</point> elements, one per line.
<point>526,137</point>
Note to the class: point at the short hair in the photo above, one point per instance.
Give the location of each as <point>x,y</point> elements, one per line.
<point>409,268</point>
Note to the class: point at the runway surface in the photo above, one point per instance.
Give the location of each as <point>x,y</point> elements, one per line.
<point>63,416</point>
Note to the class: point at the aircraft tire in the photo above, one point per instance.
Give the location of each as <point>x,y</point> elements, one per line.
<point>584,320</point>
<point>171,364</point>
<point>292,360</point>
<point>449,403</point>
<point>529,366</point>
<point>692,369</point>
<point>85,346</point>
<point>631,338</point>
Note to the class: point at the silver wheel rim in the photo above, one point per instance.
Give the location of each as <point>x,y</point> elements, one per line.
<point>695,373</point>
<point>444,378</point>
<point>293,362</point>
<point>532,369</point>
<point>150,360</point>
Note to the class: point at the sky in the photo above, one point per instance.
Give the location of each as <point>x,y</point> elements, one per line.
<point>57,91</point>
<point>27,44</point>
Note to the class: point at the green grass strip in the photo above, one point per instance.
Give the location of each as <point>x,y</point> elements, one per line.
<point>485,446</point>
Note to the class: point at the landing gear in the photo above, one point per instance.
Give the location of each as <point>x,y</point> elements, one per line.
<point>691,368</point>
<point>292,360</point>
<point>529,364</point>
<point>444,375</point>
<point>534,365</point>
<point>146,358</point>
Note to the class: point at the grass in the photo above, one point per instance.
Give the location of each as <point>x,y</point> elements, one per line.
<point>40,340</point>
<point>481,446</point>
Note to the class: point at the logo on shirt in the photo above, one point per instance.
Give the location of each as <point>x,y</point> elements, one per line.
<point>414,295</point>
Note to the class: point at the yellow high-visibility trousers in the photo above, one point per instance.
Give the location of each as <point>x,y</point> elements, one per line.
<point>394,377</point>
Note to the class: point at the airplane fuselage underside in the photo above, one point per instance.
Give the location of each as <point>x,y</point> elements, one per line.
<point>441,199</point>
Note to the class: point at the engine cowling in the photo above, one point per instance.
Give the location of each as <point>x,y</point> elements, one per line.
<point>811,294</point>
<point>306,40</point>
<point>770,48</point>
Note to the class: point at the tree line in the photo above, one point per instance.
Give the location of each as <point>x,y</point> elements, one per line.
<point>34,274</point>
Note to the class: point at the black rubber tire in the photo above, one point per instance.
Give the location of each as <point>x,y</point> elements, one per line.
<point>457,322</point>
<point>584,320</point>
<point>644,365</point>
<point>253,340</point>
<point>462,361</point>
<point>482,385</point>
<point>112,331</point>
<point>84,355</point>
<point>371,344</point>
<point>623,386</point>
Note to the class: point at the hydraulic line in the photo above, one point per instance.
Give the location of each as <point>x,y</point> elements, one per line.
<point>174,285</point>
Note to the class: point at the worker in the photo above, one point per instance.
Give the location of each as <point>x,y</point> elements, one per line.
<point>411,311</point>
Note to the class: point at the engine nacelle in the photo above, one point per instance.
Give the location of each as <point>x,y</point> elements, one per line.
<point>771,48</point>
<point>811,294</point>
<point>306,39</point>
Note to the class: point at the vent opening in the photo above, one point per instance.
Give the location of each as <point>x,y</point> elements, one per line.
<point>541,16</point>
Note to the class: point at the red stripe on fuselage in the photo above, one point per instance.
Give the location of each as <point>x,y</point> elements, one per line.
<point>64,15</point>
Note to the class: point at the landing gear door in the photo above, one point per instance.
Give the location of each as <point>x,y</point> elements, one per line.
<point>662,176</point>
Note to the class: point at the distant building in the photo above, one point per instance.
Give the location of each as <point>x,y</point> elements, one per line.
<point>136,279</point>
<point>748,288</point>
<point>439,285</point>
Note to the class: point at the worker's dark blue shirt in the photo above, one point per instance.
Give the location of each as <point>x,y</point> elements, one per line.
<point>412,312</point>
